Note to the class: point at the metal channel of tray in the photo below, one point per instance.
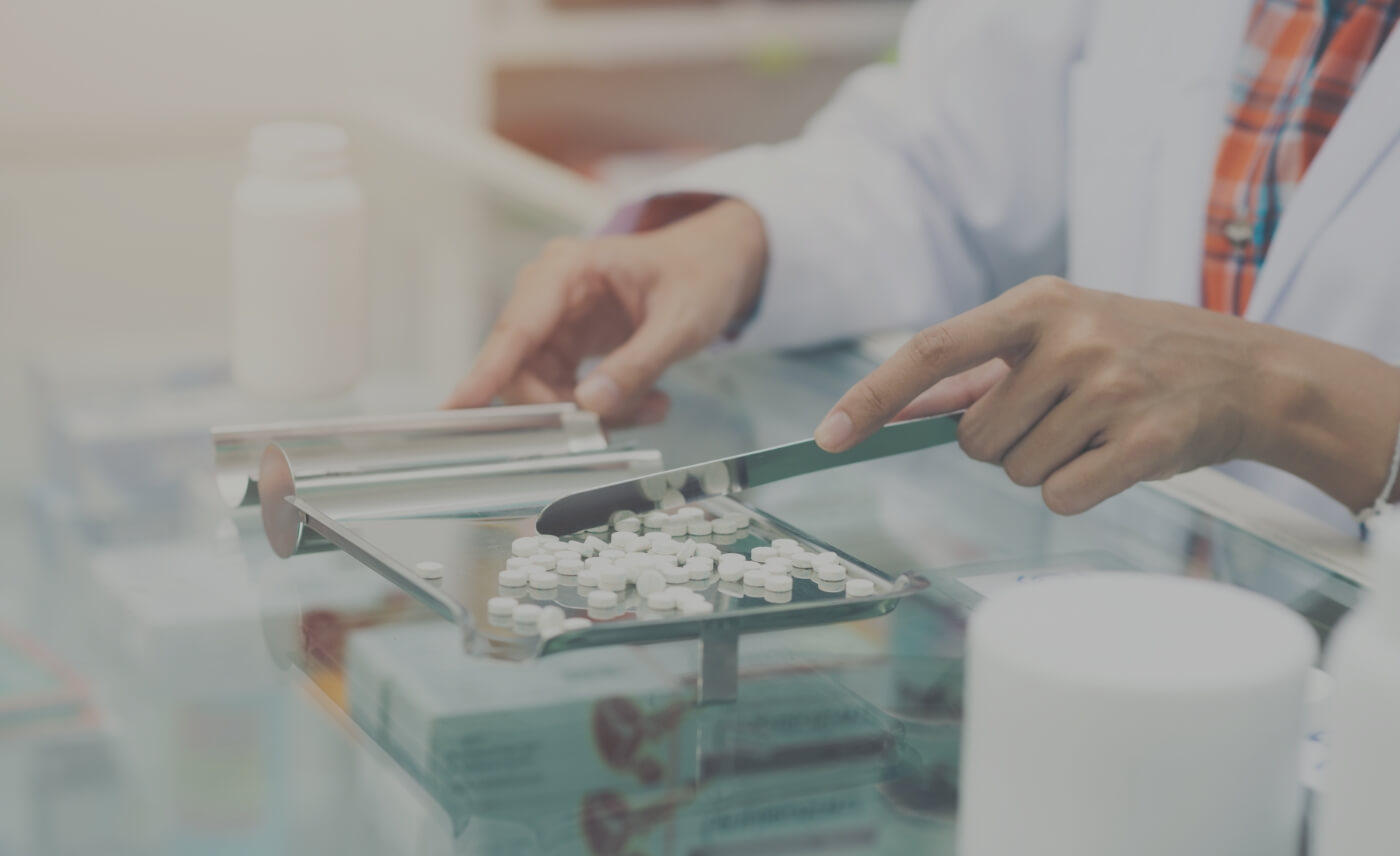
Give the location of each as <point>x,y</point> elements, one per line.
<point>474,551</point>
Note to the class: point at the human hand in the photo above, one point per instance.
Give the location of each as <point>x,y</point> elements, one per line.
<point>640,301</point>
<point>1083,393</point>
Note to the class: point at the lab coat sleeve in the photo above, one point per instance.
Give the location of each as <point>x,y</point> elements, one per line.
<point>924,187</point>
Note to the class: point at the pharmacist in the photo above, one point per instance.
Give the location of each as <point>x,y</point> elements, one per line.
<point>1217,182</point>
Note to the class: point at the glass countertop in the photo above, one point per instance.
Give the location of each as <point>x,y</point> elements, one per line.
<point>168,686</point>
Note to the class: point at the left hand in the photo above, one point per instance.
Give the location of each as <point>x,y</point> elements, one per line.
<point>1083,393</point>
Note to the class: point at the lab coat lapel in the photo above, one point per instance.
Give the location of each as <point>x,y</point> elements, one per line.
<point>1368,128</point>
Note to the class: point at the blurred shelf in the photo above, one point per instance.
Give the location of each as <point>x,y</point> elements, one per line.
<point>777,30</point>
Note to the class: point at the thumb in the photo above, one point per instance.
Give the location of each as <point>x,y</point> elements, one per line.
<point>618,383</point>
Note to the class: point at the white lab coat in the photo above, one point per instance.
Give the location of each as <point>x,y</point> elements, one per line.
<point>1074,137</point>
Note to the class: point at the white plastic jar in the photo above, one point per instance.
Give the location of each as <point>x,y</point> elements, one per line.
<point>299,292</point>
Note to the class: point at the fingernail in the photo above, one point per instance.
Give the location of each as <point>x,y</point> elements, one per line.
<point>598,393</point>
<point>834,430</point>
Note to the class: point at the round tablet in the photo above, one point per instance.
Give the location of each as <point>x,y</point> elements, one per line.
<point>824,559</point>
<point>600,599</point>
<point>612,553</point>
<point>656,519</point>
<point>583,549</point>
<point>518,562</point>
<point>698,572</point>
<point>663,562</point>
<point>650,581</point>
<point>665,548</point>
<point>525,613</point>
<point>709,551</point>
<point>757,579</point>
<point>675,574</point>
<point>696,606</point>
<point>588,578</point>
<point>602,528</point>
<point>525,546</point>
<point>568,553</point>
<point>620,540</point>
<point>859,588</point>
<point>661,600</point>
<point>628,524</point>
<point>699,527</point>
<point>689,513</point>
<point>577,623</point>
<point>569,567</point>
<point>429,570</point>
<point>675,527</point>
<point>685,551</point>
<point>733,557</point>
<point>738,518</point>
<point>801,559</point>
<point>785,546</point>
<point>612,579</point>
<point>831,573</point>
<point>513,578</point>
<point>723,526</point>
<point>778,582</point>
<point>731,572</point>
<point>596,544</point>
<point>598,562</point>
<point>778,566</point>
<point>657,536</point>
<point>550,621</point>
<point>544,580</point>
<point>638,545</point>
<point>544,560</point>
<point>763,554</point>
<point>501,605</point>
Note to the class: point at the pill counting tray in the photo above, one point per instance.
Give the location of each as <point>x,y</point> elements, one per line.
<point>473,551</point>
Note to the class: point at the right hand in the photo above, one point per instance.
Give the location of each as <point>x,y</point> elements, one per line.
<point>640,301</point>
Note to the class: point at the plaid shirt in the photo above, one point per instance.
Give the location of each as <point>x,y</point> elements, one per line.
<point>1301,62</point>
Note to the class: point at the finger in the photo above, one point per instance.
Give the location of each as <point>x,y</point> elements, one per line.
<point>958,392</point>
<point>653,408</point>
<point>1094,476</point>
<point>616,386</point>
<point>991,330</point>
<point>1064,434</point>
<point>529,388</point>
<point>529,318</point>
<point>1010,409</point>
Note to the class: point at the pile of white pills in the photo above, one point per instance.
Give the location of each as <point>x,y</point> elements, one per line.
<point>660,565</point>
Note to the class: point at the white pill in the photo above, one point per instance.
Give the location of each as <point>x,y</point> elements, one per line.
<point>612,554</point>
<point>657,536</point>
<point>672,499</point>
<point>661,600</point>
<point>696,606</point>
<point>650,581</point>
<point>656,519</point>
<point>630,524</point>
<point>675,574</point>
<point>690,513</point>
<point>680,593</point>
<point>612,579</point>
<point>544,580</point>
<point>777,596</point>
<point>778,582</point>
<point>675,527</point>
<point>429,570</point>
<point>602,528</point>
<point>598,562</point>
<point>752,566</point>
<point>831,573</point>
<point>513,578</point>
<point>517,562</point>
<point>596,544</point>
<point>859,588</point>
<point>577,623</point>
<point>738,518</point>
<point>621,514</point>
<point>600,599</point>
<point>638,545</point>
<point>801,559</point>
<point>620,540</point>
<point>561,555</point>
<point>546,538</point>
<point>666,548</point>
<point>588,578</point>
<point>569,567</point>
<point>824,559</point>
<point>662,562</point>
<point>731,572</point>
<point>709,551</point>
<point>583,549</point>
<point>785,546</point>
<point>686,550</point>
<point>700,527</point>
<point>757,579</point>
<point>525,546</point>
<point>525,613</point>
<point>701,562</point>
<point>778,566</point>
<point>763,554</point>
<point>550,621</point>
<point>501,605</point>
<point>733,557</point>
<point>698,572</point>
<point>545,561</point>
<point>723,526</point>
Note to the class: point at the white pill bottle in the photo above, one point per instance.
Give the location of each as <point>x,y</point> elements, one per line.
<point>299,291</point>
<point>1356,810</point>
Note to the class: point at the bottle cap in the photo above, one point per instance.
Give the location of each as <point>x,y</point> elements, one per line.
<point>299,150</point>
